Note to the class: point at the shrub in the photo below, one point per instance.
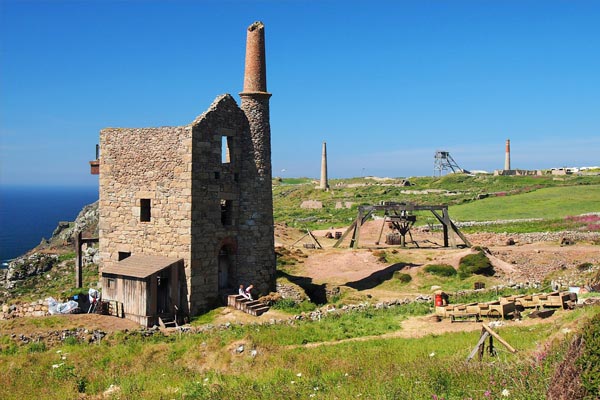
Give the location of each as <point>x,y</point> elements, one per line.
<point>476,263</point>
<point>67,256</point>
<point>293,307</point>
<point>71,340</point>
<point>402,277</point>
<point>9,349</point>
<point>381,256</point>
<point>284,304</point>
<point>590,358</point>
<point>566,379</point>
<point>306,306</point>
<point>36,347</point>
<point>584,266</point>
<point>440,269</point>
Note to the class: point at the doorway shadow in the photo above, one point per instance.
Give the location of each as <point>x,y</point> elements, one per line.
<point>378,277</point>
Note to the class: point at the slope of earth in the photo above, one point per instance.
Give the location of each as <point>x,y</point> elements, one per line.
<point>365,270</point>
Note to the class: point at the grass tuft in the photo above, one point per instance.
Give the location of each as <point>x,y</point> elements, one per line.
<point>440,269</point>
<point>475,264</point>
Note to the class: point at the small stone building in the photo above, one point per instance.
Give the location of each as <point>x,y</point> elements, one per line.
<point>186,213</point>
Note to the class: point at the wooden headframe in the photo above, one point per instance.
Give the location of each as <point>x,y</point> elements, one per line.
<point>364,212</point>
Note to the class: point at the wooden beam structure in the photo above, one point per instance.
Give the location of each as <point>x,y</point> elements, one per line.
<point>364,212</point>
<point>487,332</point>
<point>79,242</point>
<point>309,234</point>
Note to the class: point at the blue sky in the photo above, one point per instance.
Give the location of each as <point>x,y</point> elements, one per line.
<point>385,83</point>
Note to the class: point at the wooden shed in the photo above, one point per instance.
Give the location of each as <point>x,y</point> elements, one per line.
<point>147,287</point>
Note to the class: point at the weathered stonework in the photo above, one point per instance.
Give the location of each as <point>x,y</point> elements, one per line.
<point>311,204</point>
<point>201,193</point>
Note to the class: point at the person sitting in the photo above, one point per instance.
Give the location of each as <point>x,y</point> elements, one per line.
<point>248,292</point>
<point>241,291</point>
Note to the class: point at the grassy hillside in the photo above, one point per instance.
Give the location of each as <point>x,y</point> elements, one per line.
<point>550,203</point>
<point>359,354</point>
<point>501,197</point>
<point>208,366</point>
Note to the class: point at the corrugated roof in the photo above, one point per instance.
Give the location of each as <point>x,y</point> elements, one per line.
<point>140,265</point>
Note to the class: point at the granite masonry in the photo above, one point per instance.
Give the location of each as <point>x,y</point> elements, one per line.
<point>199,195</point>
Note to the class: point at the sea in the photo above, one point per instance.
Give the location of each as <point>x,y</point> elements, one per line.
<point>28,214</point>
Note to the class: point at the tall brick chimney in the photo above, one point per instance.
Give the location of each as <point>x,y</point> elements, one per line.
<point>255,75</point>
<point>507,156</point>
<point>256,198</point>
<point>255,99</point>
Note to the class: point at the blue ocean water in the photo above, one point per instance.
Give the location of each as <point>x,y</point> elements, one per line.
<point>28,214</point>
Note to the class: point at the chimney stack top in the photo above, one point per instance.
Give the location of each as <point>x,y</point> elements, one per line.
<point>255,74</point>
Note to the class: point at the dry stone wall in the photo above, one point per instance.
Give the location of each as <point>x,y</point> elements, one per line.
<point>34,309</point>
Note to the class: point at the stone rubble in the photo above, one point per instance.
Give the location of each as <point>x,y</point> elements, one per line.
<point>57,337</point>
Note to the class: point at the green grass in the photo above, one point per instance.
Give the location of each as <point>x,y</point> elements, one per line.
<point>547,203</point>
<point>292,307</point>
<point>206,318</point>
<point>440,270</point>
<point>568,195</point>
<point>590,359</point>
<point>58,282</point>
<point>482,296</point>
<point>204,366</point>
<point>475,264</point>
<point>545,225</point>
<point>67,256</point>
<point>294,181</point>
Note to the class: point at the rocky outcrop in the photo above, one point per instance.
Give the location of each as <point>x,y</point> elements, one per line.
<point>40,260</point>
<point>86,222</point>
<point>26,266</point>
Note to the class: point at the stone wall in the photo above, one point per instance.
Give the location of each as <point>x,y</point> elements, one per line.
<point>33,309</point>
<point>152,164</point>
<point>209,204</point>
<point>217,177</point>
<point>209,187</point>
<point>257,241</point>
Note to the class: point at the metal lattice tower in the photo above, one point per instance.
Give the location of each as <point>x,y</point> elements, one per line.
<point>444,162</point>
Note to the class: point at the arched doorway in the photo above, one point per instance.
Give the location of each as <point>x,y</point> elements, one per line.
<point>227,273</point>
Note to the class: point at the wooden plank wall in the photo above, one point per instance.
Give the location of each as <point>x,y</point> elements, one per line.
<point>132,293</point>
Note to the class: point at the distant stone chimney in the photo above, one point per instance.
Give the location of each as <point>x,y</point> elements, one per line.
<point>507,156</point>
<point>324,182</point>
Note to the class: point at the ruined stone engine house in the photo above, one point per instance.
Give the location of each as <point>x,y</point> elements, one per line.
<point>186,213</point>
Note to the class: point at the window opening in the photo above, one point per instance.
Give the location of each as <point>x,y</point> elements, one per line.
<point>145,210</point>
<point>111,283</point>
<point>226,145</point>
<point>123,255</point>
<point>226,216</point>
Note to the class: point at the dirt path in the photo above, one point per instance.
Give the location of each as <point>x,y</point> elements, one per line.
<point>417,327</point>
